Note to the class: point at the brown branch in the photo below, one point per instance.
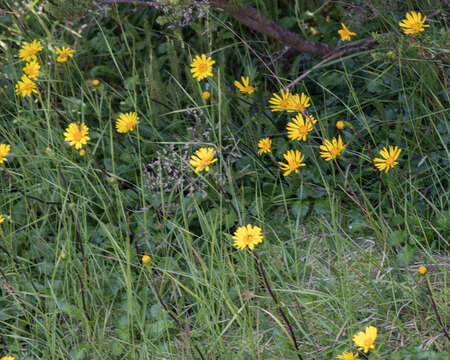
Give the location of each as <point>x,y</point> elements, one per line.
<point>258,22</point>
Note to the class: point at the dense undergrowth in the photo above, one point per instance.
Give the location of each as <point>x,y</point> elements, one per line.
<point>342,240</point>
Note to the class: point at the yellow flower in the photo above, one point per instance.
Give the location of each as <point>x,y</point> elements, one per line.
<point>29,50</point>
<point>1,220</point>
<point>331,149</point>
<point>48,150</point>
<point>64,54</point>
<point>388,158</point>
<point>95,82</point>
<point>127,122</point>
<point>247,236</point>
<point>4,150</point>
<point>63,255</point>
<point>294,161</point>
<point>422,270</point>
<point>298,103</point>
<point>26,86</point>
<point>202,67</point>
<point>203,158</point>
<point>31,69</point>
<point>340,125</point>
<point>82,152</point>
<point>206,95</point>
<point>7,358</point>
<point>77,134</point>
<point>145,259</point>
<point>244,87</point>
<point>347,356</point>
<point>280,103</point>
<point>413,23</point>
<point>264,146</point>
<point>364,340</point>
<point>345,33</point>
<point>300,127</point>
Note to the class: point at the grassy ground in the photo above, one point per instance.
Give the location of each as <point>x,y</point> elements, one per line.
<point>342,241</point>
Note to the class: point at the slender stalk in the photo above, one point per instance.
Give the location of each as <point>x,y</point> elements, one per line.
<point>433,305</point>
<point>170,312</point>
<point>262,273</point>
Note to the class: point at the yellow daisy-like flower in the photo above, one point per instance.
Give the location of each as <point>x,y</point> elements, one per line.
<point>340,125</point>
<point>95,82</point>
<point>388,158</point>
<point>264,146</point>
<point>294,161</point>
<point>347,356</point>
<point>345,33</point>
<point>4,150</point>
<point>413,23</point>
<point>247,236</point>
<point>77,134</point>
<point>298,103</point>
<point>365,340</point>
<point>1,220</point>
<point>280,103</point>
<point>206,95</point>
<point>202,67</point>
<point>31,69</point>
<point>127,122</point>
<point>422,270</point>
<point>29,50</point>
<point>203,158</point>
<point>245,86</point>
<point>300,127</point>
<point>331,149</point>
<point>7,358</point>
<point>64,54</point>
<point>25,86</point>
<point>145,259</point>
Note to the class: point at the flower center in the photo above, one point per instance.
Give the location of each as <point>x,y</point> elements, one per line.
<point>77,135</point>
<point>283,103</point>
<point>205,162</point>
<point>334,152</point>
<point>248,239</point>
<point>28,85</point>
<point>203,67</point>
<point>368,342</point>
<point>390,161</point>
<point>302,130</point>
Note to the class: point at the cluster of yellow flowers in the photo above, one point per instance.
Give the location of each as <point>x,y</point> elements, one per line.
<point>28,52</point>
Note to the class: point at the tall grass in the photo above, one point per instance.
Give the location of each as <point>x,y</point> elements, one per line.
<point>342,242</point>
